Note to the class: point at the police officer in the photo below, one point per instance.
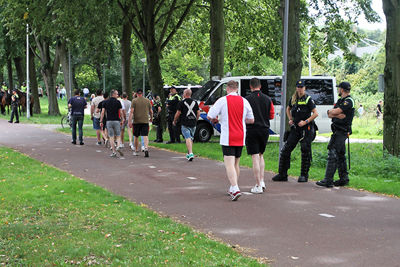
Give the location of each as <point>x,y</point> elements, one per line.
<point>172,104</point>
<point>301,112</point>
<point>14,107</point>
<point>342,117</point>
<point>157,106</point>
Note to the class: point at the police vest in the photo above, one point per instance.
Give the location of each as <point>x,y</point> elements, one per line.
<point>300,110</point>
<point>344,124</point>
<point>173,101</point>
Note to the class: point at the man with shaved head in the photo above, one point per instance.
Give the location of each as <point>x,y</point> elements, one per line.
<point>187,113</point>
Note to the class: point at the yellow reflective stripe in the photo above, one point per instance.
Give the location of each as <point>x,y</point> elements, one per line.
<point>304,102</point>
<point>352,100</point>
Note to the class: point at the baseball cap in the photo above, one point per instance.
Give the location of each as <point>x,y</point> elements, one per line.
<point>300,83</point>
<point>172,87</point>
<point>139,91</point>
<point>345,86</point>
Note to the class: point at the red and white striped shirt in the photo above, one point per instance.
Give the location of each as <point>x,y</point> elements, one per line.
<point>232,111</point>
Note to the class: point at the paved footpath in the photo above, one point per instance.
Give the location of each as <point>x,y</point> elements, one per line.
<point>291,224</point>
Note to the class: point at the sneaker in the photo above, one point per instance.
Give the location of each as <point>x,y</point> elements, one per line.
<point>302,179</point>
<point>135,153</point>
<point>98,143</point>
<point>146,153</point>
<point>113,155</point>
<point>187,156</point>
<point>120,151</point>
<point>121,145</point>
<point>325,183</point>
<point>279,178</point>
<point>191,157</point>
<point>131,146</point>
<point>143,148</point>
<point>263,186</point>
<point>235,196</point>
<point>256,190</point>
<point>106,142</point>
<point>81,143</point>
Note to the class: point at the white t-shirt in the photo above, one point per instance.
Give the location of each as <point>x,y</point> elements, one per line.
<point>95,103</point>
<point>232,111</point>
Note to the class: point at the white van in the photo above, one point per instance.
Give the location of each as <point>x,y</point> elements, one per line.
<point>322,90</point>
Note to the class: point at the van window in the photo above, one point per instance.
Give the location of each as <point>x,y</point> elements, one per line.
<point>221,91</point>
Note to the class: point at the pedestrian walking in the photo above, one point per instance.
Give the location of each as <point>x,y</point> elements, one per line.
<point>379,110</point>
<point>257,134</point>
<point>140,115</point>
<point>172,104</point>
<point>157,108</point>
<point>187,114</point>
<point>103,122</point>
<point>127,109</point>
<point>342,117</point>
<point>77,104</point>
<point>95,114</point>
<point>360,111</point>
<point>113,108</point>
<point>14,107</point>
<point>301,112</point>
<point>233,112</point>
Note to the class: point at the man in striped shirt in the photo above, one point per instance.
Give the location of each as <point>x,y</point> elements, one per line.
<point>233,113</point>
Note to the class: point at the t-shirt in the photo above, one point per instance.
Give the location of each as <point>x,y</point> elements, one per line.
<point>78,105</point>
<point>263,110</point>
<point>95,102</point>
<point>126,104</point>
<point>232,111</point>
<point>346,104</point>
<point>112,107</point>
<point>188,108</point>
<point>302,109</point>
<point>141,110</point>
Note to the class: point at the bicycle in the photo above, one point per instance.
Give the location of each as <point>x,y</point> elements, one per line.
<point>66,120</point>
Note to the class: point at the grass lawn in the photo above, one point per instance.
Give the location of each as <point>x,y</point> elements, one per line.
<point>367,127</point>
<point>370,169</point>
<point>51,218</point>
<point>44,118</point>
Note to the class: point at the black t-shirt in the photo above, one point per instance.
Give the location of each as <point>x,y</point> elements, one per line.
<point>112,106</point>
<point>188,108</point>
<point>347,105</point>
<point>261,106</point>
<point>302,109</point>
<point>78,105</point>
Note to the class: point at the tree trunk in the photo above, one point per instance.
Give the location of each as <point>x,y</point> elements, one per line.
<point>99,71</point>
<point>217,38</point>
<point>74,81</point>
<point>33,85</point>
<point>294,60</point>
<point>1,72</point>
<point>391,118</point>
<point>126,53</point>
<point>65,67</point>
<point>19,69</point>
<point>49,72</point>
<point>10,74</point>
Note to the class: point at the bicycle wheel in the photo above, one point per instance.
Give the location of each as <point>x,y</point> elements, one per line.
<point>65,122</point>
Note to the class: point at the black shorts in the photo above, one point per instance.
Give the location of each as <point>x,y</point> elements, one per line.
<point>232,151</point>
<point>256,141</point>
<point>140,129</point>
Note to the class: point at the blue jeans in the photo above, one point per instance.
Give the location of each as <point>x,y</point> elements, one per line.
<point>79,119</point>
<point>188,132</point>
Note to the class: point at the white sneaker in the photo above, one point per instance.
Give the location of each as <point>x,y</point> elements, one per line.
<point>256,190</point>
<point>143,148</point>
<point>135,153</point>
<point>113,155</point>
<point>263,186</point>
<point>121,145</point>
<point>131,146</point>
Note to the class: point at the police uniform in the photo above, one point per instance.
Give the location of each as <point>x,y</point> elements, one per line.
<point>157,121</point>
<point>300,111</point>
<point>341,129</point>
<point>174,131</point>
<point>14,108</point>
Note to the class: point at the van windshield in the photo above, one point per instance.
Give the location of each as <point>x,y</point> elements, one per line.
<point>203,93</point>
